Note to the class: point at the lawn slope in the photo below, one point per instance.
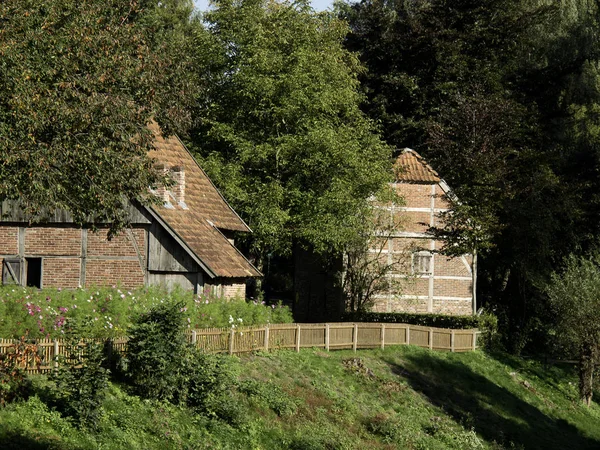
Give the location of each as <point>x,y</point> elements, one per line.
<point>403,397</point>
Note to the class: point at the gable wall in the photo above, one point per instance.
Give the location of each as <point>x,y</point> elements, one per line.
<point>448,288</point>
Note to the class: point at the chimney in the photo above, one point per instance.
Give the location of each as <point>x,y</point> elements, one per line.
<point>178,189</point>
<point>161,191</point>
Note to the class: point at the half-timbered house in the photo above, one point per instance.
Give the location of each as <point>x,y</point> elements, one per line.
<point>188,240</point>
<point>428,282</point>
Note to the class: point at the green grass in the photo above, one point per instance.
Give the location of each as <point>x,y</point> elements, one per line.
<point>403,397</point>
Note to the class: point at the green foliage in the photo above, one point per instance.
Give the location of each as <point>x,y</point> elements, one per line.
<point>14,383</point>
<point>206,384</point>
<point>574,297</point>
<point>42,313</point>
<point>81,381</point>
<point>279,128</point>
<point>271,395</point>
<point>161,365</point>
<point>426,320</point>
<point>502,100</point>
<point>79,81</point>
<point>156,351</point>
<point>418,399</point>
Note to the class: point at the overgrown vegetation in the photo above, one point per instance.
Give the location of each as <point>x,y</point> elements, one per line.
<point>161,365</point>
<point>109,311</point>
<point>485,321</point>
<point>575,298</point>
<point>402,397</point>
<point>80,380</point>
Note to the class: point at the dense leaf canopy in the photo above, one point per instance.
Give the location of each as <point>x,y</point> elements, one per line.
<point>279,127</point>
<point>79,81</point>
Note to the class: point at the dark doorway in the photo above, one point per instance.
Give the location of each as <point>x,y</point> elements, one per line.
<point>34,272</point>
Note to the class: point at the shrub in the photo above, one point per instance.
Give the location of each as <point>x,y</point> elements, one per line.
<point>426,320</point>
<point>14,383</point>
<point>81,380</point>
<point>156,352</point>
<point>205,381</point>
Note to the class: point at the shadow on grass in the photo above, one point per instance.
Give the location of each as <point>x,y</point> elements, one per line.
<point>495,413</point>
<point>16,441</point>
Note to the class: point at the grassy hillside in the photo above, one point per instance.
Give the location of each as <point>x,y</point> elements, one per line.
<point>402,397</point>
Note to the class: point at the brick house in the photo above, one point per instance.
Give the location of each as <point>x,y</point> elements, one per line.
<point>188,241</point>
<point>435,283</point>
<point>419,280</point>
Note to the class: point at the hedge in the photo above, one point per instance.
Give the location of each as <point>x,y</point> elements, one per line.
<point>485,321</point>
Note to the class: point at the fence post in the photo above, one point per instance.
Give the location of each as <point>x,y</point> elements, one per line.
<point>474,340</point>
<point>194,338</point>
<point>382,336</point>
<point>430,339</point>
<point>266,345</point>
<point>231,338</point>
<point>407,335</point>
<point>327,336</point>
<point>452,341</point>
<point>55,354</point>
<point>298,338</point>
<point>355,337</point>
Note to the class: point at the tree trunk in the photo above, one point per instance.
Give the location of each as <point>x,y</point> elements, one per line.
<point>586,373</point>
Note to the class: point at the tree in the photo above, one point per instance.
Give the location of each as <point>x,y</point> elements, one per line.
<point>279,129</point>
<point>502,99</point>
<point>368,265</point>
<point>79,81</point>
<point>574,297</point>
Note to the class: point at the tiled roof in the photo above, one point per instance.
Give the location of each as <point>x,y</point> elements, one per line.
<point>412,168</point>
<point>207,212</point>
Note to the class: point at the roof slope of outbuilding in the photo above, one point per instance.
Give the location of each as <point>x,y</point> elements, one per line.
<point>410,167</point>
<point>207,211</point>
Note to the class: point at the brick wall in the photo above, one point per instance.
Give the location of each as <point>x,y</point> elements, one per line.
<point>234,289</point>
<point>46,241</point>
<point>9,240</point>
<point>108,262</point>
<point>98,243</point>
<point>451,276</point>
<point>453,307</point>
<point>415,195</point>
<point>110,272</point>
<point>115,260</point>
<point>392,304</point>
<point>61,272</point>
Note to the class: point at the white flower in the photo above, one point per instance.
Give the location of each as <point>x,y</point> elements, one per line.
<point>240,320</point>
<point>230,319</point>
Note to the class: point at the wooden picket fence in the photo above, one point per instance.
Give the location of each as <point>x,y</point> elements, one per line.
<point>328,336</point>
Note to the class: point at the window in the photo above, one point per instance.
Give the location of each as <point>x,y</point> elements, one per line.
<point>421,262</point>
<point>34,272</point>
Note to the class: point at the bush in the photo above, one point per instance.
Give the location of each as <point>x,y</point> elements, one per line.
<point>206,381</point>
<point>81,380</point>
<point>14,383</point>
<point>161,364</point>
<point>426,320</point>
<point>156,352</point>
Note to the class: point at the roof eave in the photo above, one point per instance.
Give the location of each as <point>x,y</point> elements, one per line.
<point>156,215</point>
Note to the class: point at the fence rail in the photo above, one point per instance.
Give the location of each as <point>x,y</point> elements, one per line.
<point>329,336</point>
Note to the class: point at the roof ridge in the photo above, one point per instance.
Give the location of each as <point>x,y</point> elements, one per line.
<point>417,170</point>
<point>213,184</point>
